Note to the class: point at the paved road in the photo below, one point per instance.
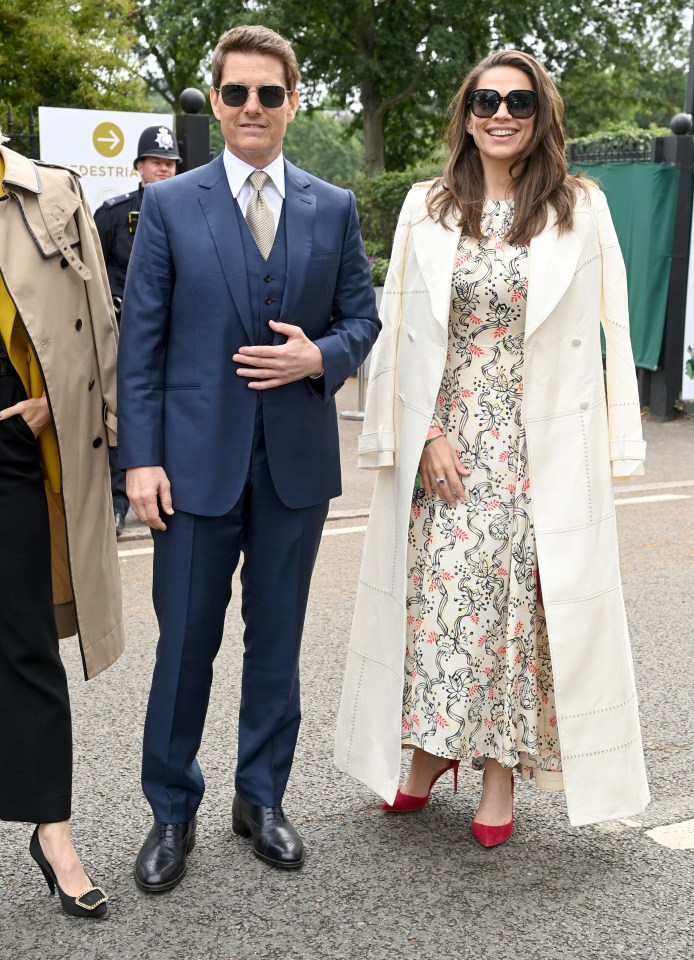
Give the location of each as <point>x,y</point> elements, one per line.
<point>379,888</point>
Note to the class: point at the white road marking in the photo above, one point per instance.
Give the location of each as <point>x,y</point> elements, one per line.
<point>619,501</point>
<point>626,487</point>
<point>676,836</point>
<point>658,498</point>
<point>143,551</point>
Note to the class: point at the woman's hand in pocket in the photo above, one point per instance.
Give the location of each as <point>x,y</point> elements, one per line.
<point>35,413</point>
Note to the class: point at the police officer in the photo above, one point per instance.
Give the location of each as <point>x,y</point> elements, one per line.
<point>116,220</point>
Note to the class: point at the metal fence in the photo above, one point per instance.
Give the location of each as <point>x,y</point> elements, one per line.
<point>590,153</point>
<point>24,138</point>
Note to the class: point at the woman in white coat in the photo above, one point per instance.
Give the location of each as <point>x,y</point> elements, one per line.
<point>489,625</point>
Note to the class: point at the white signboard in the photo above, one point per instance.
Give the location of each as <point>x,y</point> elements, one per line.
<point>101,145</point>
<point>687,382</point>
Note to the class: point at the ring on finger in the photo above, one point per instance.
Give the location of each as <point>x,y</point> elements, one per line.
<point>440,479</point>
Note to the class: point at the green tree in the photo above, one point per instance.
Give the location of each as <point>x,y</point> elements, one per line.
<point>176,40</point>
<point>318,142</point>
<point>398,64</point>
<point>68,55</point>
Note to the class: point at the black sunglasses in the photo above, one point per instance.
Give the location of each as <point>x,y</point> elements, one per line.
<point>521,104</point>
<point>235,94</point>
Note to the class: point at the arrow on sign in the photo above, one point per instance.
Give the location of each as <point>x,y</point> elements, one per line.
<point>113,139</point>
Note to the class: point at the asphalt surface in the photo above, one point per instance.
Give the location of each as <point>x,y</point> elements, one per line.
<point>377,887</point>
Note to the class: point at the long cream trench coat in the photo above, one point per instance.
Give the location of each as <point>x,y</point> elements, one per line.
<point>53,269</point>
<point>576,444</point>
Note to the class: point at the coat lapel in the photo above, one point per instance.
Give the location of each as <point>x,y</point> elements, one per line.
<point>552,263</point>
<point>217,204</point>
<point>299,215</point>
<point>435,249</point>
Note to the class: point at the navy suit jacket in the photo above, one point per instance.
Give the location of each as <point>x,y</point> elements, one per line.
<point>186,311</point>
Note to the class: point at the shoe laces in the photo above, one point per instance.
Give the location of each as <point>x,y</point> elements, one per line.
<point>272,814</point>
<point>167,831</point>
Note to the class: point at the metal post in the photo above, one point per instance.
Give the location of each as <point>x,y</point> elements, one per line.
<point>666,381</point>
<point>193,130</point>
<point>357,414</point>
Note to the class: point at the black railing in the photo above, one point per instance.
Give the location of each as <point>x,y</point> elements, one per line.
<point>24,138</point>
<point>590,153</point>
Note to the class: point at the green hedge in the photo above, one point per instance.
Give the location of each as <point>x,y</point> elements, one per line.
<point>379,200</point>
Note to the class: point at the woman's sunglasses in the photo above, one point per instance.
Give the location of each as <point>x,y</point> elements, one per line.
<point>236,94</point>
<point>521,104</point>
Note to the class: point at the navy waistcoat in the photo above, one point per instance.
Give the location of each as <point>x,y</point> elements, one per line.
<point>266,278</point>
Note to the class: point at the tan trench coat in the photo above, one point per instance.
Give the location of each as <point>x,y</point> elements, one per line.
<point>576,444</point>
<point>53,269</point>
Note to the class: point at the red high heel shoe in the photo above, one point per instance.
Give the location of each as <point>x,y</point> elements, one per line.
<point>492,836</point>
<point>405,802</point>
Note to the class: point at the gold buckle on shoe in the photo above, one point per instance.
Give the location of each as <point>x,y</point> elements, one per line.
<point>91,906</point>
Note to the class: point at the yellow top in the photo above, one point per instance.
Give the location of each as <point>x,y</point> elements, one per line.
<point>24,361</point>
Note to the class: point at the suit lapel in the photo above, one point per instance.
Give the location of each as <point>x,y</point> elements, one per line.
<point>552,263</point>
<point>300,211</point>
<point>435,249</point>
<point>217,204</point>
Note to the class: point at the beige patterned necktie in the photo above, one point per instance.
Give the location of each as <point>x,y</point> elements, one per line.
<point>259,215</point>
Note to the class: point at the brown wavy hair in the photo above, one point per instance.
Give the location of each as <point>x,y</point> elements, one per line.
<point>540,173</point>
<point>255,39</point>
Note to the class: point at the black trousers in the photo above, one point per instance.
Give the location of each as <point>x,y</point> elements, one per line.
<point>35,725</point>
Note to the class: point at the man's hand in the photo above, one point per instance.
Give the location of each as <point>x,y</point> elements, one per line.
<point>143,486</point>
<point>269,367</point>
<point>34,412</point>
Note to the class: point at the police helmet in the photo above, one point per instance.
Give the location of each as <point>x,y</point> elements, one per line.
<point>157,142</point>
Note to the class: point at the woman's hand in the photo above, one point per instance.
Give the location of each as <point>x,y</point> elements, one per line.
<point>440,462</point>
<point>35,413</point>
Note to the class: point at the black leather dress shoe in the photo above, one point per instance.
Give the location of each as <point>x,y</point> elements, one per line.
<point>274,838</point>
<point>161,863</point>
<point>119,519</point>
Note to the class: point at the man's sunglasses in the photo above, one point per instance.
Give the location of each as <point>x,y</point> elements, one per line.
<point>521,104</point>
<point>235,94</point>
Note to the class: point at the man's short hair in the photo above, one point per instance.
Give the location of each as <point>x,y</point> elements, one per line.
<point>255,39</point>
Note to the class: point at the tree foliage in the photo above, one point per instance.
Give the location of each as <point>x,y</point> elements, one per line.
<point>319,143</point>
<point>176,40</point>
<point>68,55</point>
<point>399,64</point>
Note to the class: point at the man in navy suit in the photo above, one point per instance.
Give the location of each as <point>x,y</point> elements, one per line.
<point>248,302</point>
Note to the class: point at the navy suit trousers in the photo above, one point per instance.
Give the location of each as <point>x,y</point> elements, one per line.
<point>194,560</point>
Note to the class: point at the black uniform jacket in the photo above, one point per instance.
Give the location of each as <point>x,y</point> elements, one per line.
<point>116,229</point>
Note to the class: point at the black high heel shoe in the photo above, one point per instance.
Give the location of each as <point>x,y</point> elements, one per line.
<point>91,903</point>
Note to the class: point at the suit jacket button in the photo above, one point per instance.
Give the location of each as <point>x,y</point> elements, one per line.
<point>97,443</point>
<point>78,324</point>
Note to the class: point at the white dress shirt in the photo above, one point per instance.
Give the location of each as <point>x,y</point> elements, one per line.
<point>238,171</point>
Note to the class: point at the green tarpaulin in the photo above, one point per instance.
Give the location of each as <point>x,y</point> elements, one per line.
<point>642,199</point>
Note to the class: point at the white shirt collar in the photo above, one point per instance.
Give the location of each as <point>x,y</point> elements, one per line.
<point>238,170</point>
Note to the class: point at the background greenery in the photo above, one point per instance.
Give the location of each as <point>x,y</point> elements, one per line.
<point>386,69</point>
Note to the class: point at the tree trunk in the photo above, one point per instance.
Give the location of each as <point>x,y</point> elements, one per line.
<point>374,142</point>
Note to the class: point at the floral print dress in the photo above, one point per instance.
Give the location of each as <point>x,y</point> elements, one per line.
<point>478,675</point>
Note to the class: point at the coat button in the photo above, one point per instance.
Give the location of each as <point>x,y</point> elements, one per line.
<point>91,384</point>
<point>64,264</point>
<point>97,443</point>
<point>576,342</point>
<point>584,405</point>
<point>410,335</point>
<point>78,324</point>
